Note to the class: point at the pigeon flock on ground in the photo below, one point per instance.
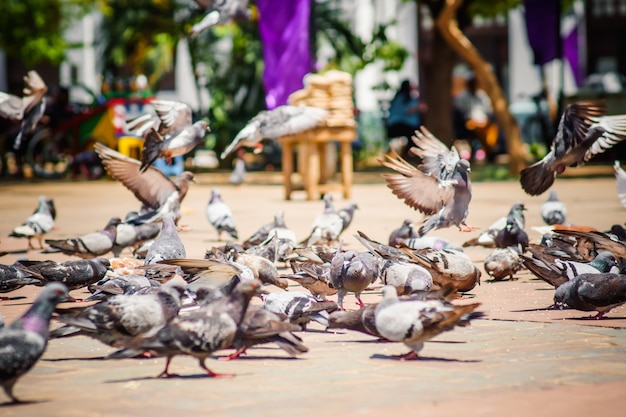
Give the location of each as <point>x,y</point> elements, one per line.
<point>149,299</point>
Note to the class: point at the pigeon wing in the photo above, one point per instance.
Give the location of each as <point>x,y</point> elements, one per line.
<point>437,159</point>
<point>174,116</point>
<point>288,120</point>
<point>620,178</point>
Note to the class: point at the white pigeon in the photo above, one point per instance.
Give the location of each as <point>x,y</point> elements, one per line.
<point>414,322</point>
<point>220,215</point>
<point>36,225</point>
<point>620,177</point>
<point>327,226</point>
<point>272,124</point>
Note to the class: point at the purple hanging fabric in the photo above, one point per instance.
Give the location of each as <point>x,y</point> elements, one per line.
<point>542,25</point>
<point>284,28</point>
<point>571,53</point>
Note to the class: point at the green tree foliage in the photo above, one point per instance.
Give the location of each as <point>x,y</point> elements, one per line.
<point>32,30</point>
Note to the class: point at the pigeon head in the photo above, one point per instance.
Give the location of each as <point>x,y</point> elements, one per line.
<point>463,167</point>
<point>37,317</point>
<point>102,265</point>
<point>215,195</point>
<point>606,261</point>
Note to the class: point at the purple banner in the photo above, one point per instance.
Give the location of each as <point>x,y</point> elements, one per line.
<point>571,53</point>
<point>284,28</point>
<point>543,27</point>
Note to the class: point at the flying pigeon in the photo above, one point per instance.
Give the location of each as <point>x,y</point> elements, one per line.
<point>299,307</point>
<point>74,274</point>
<point>272,124</point>
<point>200,332</point>
<point>87,246</point>
<point>583,133</point>
<point>167,244</point>
<point>414,322</point>
<point>502,263</point>
<point>220,215</point>
<point>405,231</point>
<point>440,188</point>
<point>593,292</point>
<point>352,271</point>
<point>158,193</point>
<point>219,12</point>
<point>487,238</point>
<point>28,108</point>
<point>36,225</point>
<point>553,211</point>
<point>620,178</point>
<point>327,226</point>
<point>23,342</point>
<point>175,134</point>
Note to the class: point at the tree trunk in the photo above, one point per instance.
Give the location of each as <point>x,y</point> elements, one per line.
<point>448,27</point>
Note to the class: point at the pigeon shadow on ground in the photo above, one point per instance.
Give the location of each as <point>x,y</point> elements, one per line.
<point>91,358</point>
<point>424,359</point>
<point>592,317</point>
<point>22,402</point>
<point>14,298</point>
<point>173,376</point>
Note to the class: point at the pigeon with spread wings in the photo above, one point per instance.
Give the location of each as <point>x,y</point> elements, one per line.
<point>169,132</point>
<point>272,124</point>
<point>583,133</point>
<point>440,188</point>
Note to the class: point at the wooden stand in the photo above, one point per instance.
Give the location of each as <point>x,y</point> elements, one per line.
<point>312,148</point>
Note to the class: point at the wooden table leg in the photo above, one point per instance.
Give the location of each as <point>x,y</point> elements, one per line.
<point>312,171</point>
<point>346,168</point>
<point>287,168</point>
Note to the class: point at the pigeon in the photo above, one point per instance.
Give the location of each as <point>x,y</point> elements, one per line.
<point>593,292</point>
<point>116,285</point>
<point>352,271</point>
<point>209,273</point>
<point>347,214</point>
<point>128,235</point>
<point>487,238</point>
<point>556,272</point>
<point>448,267</point>
<point>28,109</point>
<point>219,12</point>
<point>313,276</point>
<point>405,231</point>
<point>122,315</point>
<point>583,133</point>
<point>158,193</point>
<point>440,188</point>
<point>220,216</point>
<point>262,268</point>
<point>13,277</point>
<point>168,244</point>
<point>553,211</point>
<point>201,332</point>
<point>74,274</point>
<point>502,263</point>
<point>261,326</point>
<point>599,239</point>
<point>327,226</point>
<point>432,242</point>
<point>620,179</point>
<point>512,236</point>
<point>299,307</point>
<point>272,124</point>
<point>23,342</point>
<point>285,238</point>
<point>414,322</point>
<point>87,246</point>
<point>36,225</point>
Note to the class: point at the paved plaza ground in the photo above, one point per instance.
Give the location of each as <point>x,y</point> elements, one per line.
<point>520,360</point>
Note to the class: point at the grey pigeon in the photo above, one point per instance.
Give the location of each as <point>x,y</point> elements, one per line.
<point>122,315</point>
<point>167,244</point>
<point>553,211</point>
<point>593,292</point>
<point>405,231</point>
<point>283,238</point>
<point>347,214</point>
<point>201,332</point>
<point>583,133</point>
<point>327,226</point>
<point>440,188</point>
<point>414,322</point>
<point>502,263</point>
<point>487,238</point>
<point>556,271</point>
<point>129,235</point>
<point>14,277</point>
<point>313,276</point>
<point>620,179</point>
<point>260,326</point>
<point>116,285</point>
<point>74,274</point>
<point>352,271</point>
<point>433,242</point>
<point>28,109</point>
<point>36,225</point>
<point>262,268</point>
<point>23,342</point>
<point>220,215</point>
<point>512,236</point>
<point>299,307</point>
<point>87,246</point>
<point>158,193</point>
<point>259,236</point>
<point>272,124</point>
<point>219,12</point>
